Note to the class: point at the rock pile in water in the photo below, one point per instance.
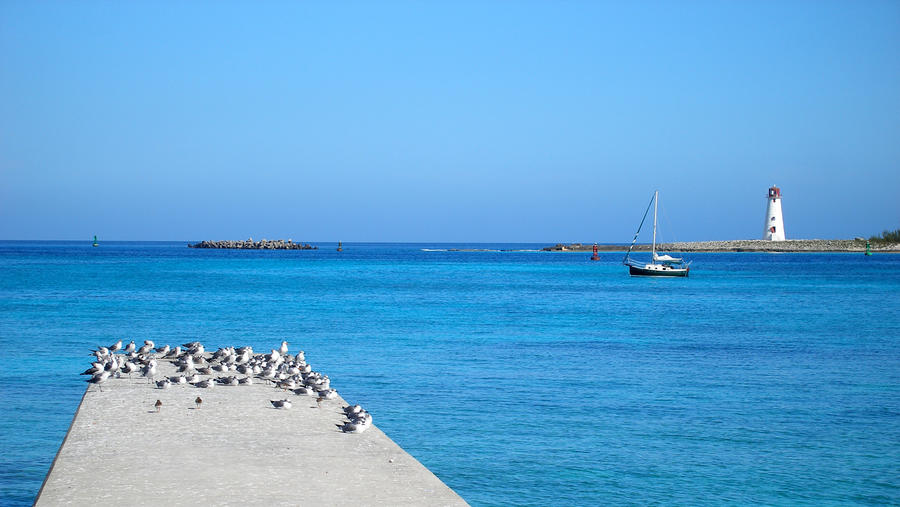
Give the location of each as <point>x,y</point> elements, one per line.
<point>249,244</point>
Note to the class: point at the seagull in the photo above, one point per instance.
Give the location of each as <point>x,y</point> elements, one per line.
<point>95,368</point>
<point>129,368</point>
<point>268,374</point>
<point>328,394</point>
<point>284,348</point>
<point>198,401</point>
<point>178,380</point>
<point>280,403</point>
<point>187,365</point>
<point>111,366</point>
<point>116,346</point>
<point>362,419</point>
<point>130,347</point>
<point>246,381</point>
<point>158,404</point>
<point>99,378</point>
<point>203,384</point>
<point>227,381</point>
<point>353,428</point>
<point>163,384</point>
<point>149,371</point>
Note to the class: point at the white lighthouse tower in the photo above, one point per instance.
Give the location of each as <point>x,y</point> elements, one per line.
<point>774,226</point>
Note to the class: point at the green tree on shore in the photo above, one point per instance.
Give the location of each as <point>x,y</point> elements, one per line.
<point>887,237</point>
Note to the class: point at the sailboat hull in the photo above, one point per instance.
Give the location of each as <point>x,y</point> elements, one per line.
<point>657,270</point>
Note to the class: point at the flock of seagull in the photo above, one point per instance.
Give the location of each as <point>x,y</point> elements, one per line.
<point>284,371</point>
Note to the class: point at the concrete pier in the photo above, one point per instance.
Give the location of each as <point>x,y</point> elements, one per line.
<point>235,449</point>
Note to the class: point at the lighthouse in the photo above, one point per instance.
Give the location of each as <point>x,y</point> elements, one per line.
<point>774,226</point>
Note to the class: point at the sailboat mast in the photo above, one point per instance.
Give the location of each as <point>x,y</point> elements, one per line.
<point>634,239</point>
<point>655,206</point>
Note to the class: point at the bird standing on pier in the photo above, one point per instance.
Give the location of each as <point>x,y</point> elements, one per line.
<point>149,371</point>
<point>204,384</point>
<point>95,368</point>
<point>158,404</point>
<point>198,401</point>
<point>129,368</point>
<point>280,403</point>
<point>99,378</point>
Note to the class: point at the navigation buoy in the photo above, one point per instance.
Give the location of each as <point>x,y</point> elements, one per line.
<point>95,241</point>
<point>596,256</point>
<point>868,252</point>
<point>340,247</point>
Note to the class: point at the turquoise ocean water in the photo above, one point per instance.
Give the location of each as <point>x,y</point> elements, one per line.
<point>518,378</point>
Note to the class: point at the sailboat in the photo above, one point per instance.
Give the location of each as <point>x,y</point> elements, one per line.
<point>95,241</point>
<point>660,264</point>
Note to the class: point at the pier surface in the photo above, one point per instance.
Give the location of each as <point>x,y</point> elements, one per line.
<point>236,449</point>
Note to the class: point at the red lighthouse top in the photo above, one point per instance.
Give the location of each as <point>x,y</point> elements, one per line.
<point>774,192</point>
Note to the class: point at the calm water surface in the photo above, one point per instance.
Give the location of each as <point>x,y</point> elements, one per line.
<point>518,378</point>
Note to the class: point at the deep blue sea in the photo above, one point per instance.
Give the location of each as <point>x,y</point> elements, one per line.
<point>518,378</point>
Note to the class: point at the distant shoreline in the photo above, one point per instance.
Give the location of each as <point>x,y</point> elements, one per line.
<point>742,245</point>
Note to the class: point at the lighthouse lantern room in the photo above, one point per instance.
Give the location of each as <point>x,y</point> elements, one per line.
<point>774,226</point>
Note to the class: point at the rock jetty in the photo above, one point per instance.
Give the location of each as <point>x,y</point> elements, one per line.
<point>743,245</point>
<point>249,244</point>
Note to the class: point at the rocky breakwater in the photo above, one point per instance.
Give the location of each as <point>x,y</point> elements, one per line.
<point>790,245</point>
<point>249,244</point>
<point>743,245</point>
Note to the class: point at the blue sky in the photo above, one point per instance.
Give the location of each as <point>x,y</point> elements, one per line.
<point>456,121</point>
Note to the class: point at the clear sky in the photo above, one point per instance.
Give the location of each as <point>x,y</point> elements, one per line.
<point>446,121</point>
